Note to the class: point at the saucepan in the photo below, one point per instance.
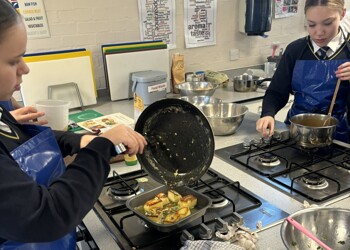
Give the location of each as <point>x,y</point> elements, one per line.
<point>308,130</point>
<point>246,83</point>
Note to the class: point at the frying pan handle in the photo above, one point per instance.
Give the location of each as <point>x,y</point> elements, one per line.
<point>259,82</point>
<point>120,148</point>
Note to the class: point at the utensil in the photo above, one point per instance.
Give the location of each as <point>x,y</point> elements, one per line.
<point>274,47</point>
<point>330,225</point>
<point>308,130</point>
<point>326,122</point>
<point>201,100</point>
<point>182,142</point>
<point>247,83</point>
<point>307,233</point>
<point>203,202</point>
<point>224,118</point>
<point>197,88</point>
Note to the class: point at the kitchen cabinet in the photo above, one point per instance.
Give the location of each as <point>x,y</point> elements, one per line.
<point>256,106</point>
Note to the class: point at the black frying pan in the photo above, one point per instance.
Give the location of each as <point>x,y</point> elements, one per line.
<point>180,142</point>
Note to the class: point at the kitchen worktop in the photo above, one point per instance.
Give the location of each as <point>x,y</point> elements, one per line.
<point>268,238</point>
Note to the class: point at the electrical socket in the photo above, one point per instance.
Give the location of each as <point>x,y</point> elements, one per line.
<point>234,54</point>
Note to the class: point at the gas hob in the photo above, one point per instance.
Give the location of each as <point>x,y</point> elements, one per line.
<point>231,203</point>
<point>315,175</point>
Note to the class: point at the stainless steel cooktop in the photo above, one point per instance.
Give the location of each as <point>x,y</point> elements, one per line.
<point>315,175</point>
<point>231,203</point>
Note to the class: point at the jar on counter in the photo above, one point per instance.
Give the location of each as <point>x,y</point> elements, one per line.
<point>189,76</point>
<point>200,75</point>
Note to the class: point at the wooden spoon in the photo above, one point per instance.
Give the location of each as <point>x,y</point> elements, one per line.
<point>329,115</point>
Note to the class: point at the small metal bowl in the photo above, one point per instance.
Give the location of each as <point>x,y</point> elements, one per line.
<point>200,100</point>
<point>197,88</point>
<point>330,225</point>
<point>224,118</point>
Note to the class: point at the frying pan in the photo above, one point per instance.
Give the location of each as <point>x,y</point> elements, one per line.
<point>180,142</point>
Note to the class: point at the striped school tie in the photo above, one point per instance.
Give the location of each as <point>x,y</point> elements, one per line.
<point>322,52</point>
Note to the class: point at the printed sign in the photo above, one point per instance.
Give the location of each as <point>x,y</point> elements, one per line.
<point>157,21</point>
<point>34,17</point>
<point>285,8</point>
<point>200,23</point>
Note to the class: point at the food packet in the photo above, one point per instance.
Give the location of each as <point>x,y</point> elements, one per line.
<point>177,71</point>
<point>216,77</point>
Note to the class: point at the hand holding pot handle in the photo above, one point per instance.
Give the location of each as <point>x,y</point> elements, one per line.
<point>266,126</point>
<point>132,140</point>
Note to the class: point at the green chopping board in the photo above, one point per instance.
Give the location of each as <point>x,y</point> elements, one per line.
<point>82,116</point>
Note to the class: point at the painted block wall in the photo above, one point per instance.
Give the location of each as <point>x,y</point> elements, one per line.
<point>90,23</point>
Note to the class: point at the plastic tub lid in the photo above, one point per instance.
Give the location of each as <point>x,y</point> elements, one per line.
<point>148,76</point>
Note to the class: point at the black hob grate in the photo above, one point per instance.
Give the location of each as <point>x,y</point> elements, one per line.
<point>231,203</point>
<point>317,175</point>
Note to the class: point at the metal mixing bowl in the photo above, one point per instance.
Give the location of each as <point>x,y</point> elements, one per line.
<point>200,100</point>
<point>224,118</point>
<point>330,225</point>
<point>197,88</point>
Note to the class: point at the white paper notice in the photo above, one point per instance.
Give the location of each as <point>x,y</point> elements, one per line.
<point>200,23</point>
<point>285,8</point>
<point>157,21</point>
<point>34,16</point>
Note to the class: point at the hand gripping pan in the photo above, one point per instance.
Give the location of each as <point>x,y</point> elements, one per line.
<point>180,142</point>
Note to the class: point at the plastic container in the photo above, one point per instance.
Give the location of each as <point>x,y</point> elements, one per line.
<point>56,113</point>
<point>148,86</point>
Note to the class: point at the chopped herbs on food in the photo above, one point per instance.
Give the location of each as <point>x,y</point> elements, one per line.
<point>341,242</point>
<point>294,243</point>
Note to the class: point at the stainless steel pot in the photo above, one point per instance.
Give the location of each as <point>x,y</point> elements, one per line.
<point>246,83</point>
<point>330,225</point>
<point>308,130</point>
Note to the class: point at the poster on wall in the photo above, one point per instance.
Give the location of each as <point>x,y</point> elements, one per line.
<point>200,23</point>
<point>285,8</point>
<point>34,17</point>
<point>157,21</point>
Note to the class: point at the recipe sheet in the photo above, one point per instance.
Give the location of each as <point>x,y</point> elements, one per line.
<point>106,122</point>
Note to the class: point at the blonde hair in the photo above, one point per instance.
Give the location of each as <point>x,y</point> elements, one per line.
<point>337,5</point>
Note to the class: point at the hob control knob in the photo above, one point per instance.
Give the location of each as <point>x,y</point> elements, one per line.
<point>186,235</point>
<point>237,219</point>
<point>266,139</point>
<point>221,226</point>
<point>205,233</point>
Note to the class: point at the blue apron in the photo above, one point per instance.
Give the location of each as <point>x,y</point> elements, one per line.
<point>313,84</point>
<point>40,157</point>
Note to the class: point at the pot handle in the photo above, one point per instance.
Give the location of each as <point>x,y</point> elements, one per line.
<point>259,82</point>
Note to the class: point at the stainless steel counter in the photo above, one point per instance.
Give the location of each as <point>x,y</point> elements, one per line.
<point>269,238</point>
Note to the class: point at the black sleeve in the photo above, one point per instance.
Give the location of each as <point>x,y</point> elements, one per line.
<point>277,94</point>
<point>34,213</point>
<point>69,142</point>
